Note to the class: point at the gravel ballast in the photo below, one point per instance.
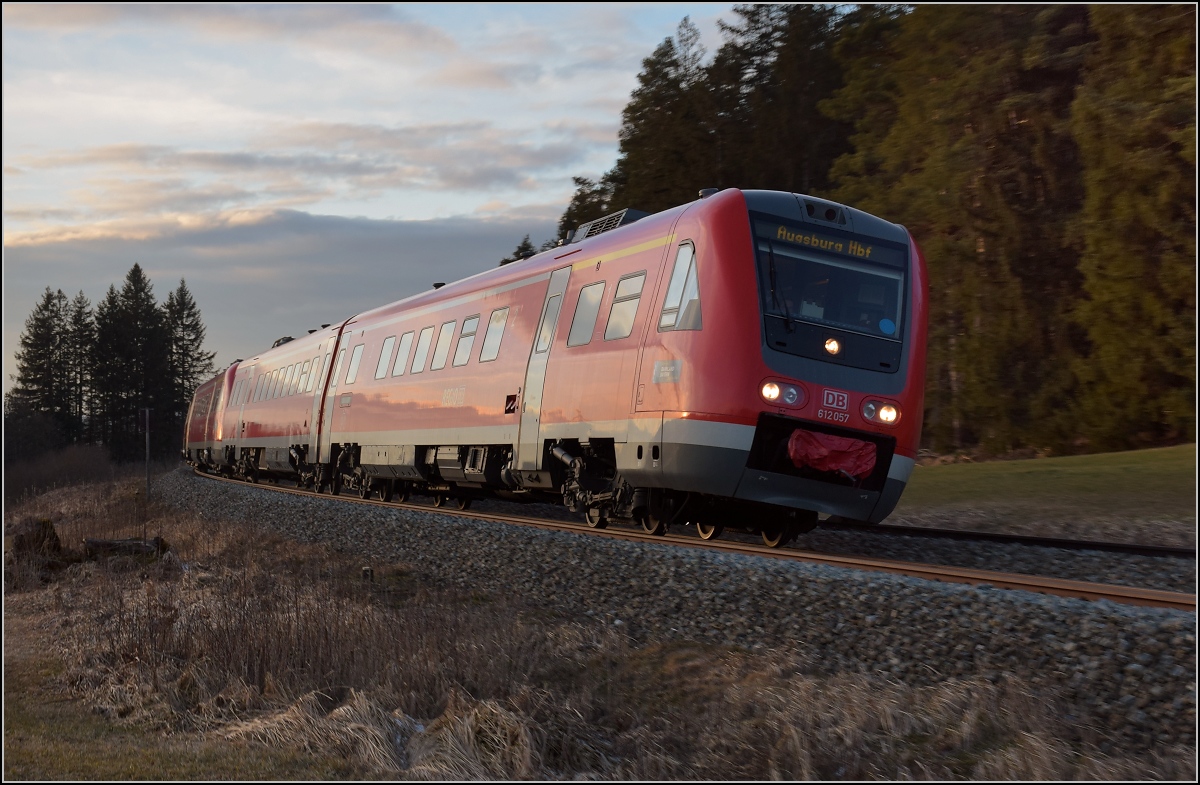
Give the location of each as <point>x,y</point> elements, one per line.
<point>1128,673</point>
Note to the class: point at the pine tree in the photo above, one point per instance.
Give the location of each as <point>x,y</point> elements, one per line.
<point>78,344</point>
<point>524,249</point>
<point>39,356</point>
<point>36,411</point>
<point>1135,122</point>
<point>188,363</point>
<point>133,368</point>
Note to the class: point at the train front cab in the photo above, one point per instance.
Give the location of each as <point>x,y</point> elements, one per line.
<point>763,410</point>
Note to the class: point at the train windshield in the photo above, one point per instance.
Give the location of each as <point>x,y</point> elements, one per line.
<point>831,281</point>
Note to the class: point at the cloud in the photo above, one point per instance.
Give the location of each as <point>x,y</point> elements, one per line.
<point>257,275</point>
<point>383,31</point>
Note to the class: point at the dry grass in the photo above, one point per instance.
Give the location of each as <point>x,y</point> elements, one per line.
<point>257,646</point>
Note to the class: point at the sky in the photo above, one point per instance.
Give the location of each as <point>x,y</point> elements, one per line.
<point>298,164</point>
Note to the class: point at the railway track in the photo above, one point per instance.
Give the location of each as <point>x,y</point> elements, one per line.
<point>1041,584</point>
<point>1131,549</point>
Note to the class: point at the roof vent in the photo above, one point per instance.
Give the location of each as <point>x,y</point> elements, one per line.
<point>608,222</point>
<point>707,192</point>
<point>324,326</point>
<point>439,284</point>
<point>281,341</point>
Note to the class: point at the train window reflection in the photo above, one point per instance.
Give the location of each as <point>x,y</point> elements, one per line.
<point>385,357</point>
<point>495,332</point>
<point>549,320</point>
<point>442,350</point>
<point>466,339</point>
<point>422,350</point>
<point>586,312</point>
<point>624,307</point>
<point>681,309</point>
<point>355,358</point>
<point>406,341</point>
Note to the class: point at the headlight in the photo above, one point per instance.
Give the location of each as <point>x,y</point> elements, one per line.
<point>832,346</point>
<point>770,391</point>
<point>877,411</point>
<point>790,395</point>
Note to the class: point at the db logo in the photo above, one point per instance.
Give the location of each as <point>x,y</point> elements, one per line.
<point>835,400</point>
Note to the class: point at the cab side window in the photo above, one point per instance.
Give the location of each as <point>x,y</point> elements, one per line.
<point>681,309</point>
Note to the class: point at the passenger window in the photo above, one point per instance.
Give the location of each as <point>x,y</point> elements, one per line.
<point>549,319</point>
<point>442,350</point>
<point>586,311</point>
<point>299,367</point>
<point>313,373</point>
<point>466,339</point>
<point>302,385</point>
<point>624,307</point>
<point>355,358</point>
<point>385,357</point>
<point>337,368</point>
<point>258,388</point>
<point>681,309</point>
<point>422,350</point>
<point>491,339</point>
<point>402,353</point>
<point>273,384</point>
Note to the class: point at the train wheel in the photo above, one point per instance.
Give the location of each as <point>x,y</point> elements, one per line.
<point>652,524</point>
<point>439,501</point>
<point>709,531</point>
<point>335,485</point>
<point>402,494</point>
<point>384,491</point>
<point>595,519</point>
<point>776,535</point>
<point>364,491</point>
<point>461,503</point>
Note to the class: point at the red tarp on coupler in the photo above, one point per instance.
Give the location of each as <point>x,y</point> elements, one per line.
<point>827,453</point>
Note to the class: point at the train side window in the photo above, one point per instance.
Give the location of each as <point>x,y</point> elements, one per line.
<point>355,359</point>
<point>466,339</point>
<point>302,385</point>
<point>442,350</point>
<point>422,350</point>
<point>385,357</point>
<point>273,384</point>
<point>681,309</point>
<point>284,375</point>
<point>624,307</point>
<point>258,389</point>
<point>495,332</point>
<point>402,353</point>
<point>549,320</point>
<point>586,311</point>
<point>295,378</point>
<point>337,368</point>
<point>313,373</point>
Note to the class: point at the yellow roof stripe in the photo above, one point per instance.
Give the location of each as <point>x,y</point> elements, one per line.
<point>623,252</point>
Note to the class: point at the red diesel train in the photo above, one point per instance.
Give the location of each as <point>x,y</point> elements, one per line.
<point>749,359</point>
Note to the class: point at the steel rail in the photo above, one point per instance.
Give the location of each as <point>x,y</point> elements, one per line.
<point>1133,549</point>
<point>1127,595</point>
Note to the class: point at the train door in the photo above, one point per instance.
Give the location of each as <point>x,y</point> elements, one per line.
<point>239,433</point>
<point>329,398</point>
<point>529,453</point>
